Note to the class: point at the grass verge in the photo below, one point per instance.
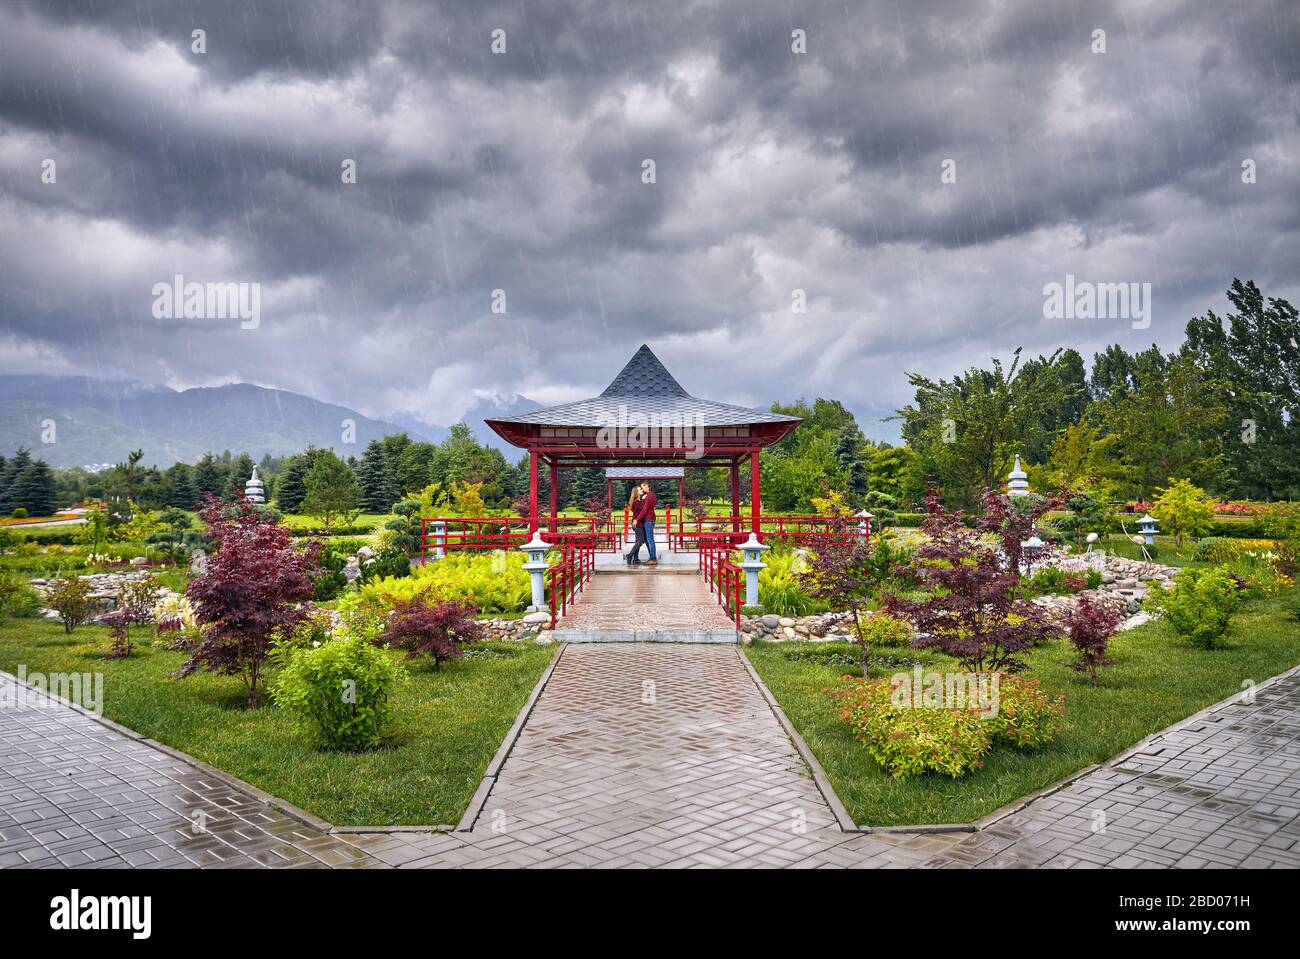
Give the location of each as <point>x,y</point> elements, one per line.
<point>1156,680</point>
<point>446,725</point>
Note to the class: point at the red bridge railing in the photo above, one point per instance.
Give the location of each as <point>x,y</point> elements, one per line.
<point>773,530</point>
<point>726,579</point>
<point>567,577</point>
<point>478,534</point>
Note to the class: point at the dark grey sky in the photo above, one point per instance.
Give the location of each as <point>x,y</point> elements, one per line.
<point>521,171</point>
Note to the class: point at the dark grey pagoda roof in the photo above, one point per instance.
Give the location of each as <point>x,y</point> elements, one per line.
<point>645,472</point>
<point>645,388</point>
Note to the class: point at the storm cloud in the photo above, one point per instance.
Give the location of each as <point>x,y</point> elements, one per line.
<point>521,171</point>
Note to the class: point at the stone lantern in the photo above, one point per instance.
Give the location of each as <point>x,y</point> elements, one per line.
<point>864,525</point>
<point>254,489</point>
<point>1017,480</point>
<point>536,549</point>
<point>1147,524</point>
<point>752,564</point>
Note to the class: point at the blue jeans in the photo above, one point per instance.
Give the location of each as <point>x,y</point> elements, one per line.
<point>650,539</point>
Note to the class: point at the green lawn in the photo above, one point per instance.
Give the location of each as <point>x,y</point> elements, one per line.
<point>1157,680</point>
<point>446,725</point>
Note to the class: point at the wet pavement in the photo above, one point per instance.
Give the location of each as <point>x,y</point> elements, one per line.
<point>642,755</point>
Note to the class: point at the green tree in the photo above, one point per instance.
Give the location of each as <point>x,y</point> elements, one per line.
<point>968,429</point>
<point>209,477</point>
<point>1254,353</point>
<point>180,491</point>
<point>375,476</point>
<point>291,488</point>
<point>33,490</point>
<point>1184,509</point>
<point>1169,422</point>
<point>12,470</point>
<point>332,490</point>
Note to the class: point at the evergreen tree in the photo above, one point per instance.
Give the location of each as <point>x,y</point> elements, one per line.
<point>180,490</point>
<point>292,485</point>
<point>33,490</point>
<point>209,477</point>
<point>375,476</point>
<point>332,490</point>
<point>241,468</point>
<point>13,468</point>
<point>852,459</point>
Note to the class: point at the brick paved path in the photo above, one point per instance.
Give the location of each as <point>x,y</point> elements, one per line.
<point>692,770</point>
<point>646,599</point>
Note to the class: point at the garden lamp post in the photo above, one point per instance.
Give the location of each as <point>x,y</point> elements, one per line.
<point>1147,524</point>
<point>752,564</point>
<point>536,549</point>
<point>1028,549</point>
<point>864,525</point>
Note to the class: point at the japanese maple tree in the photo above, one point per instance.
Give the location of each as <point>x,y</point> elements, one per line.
<point>848,573</point>
<point>1012,520</point>
<point>1091,627</point>
<point>254,589</point>
<point>969,606</point>
<point>436,629</point>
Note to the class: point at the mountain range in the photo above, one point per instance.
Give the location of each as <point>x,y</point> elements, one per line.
<point>99,421</point>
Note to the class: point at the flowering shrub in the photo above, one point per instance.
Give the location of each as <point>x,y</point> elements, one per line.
<point>174,612</point>
<point>340,689</point>
<point>910,741</point>
<point>1199,605</point>
<point>1025,718</point>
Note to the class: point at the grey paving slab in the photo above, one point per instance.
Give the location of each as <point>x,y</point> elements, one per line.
<point>655,756</point>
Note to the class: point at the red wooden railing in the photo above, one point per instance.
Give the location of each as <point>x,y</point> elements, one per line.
<point>569,575</point>
<point>773,530</point>
<point>485,533</point>
<point>725,578</point>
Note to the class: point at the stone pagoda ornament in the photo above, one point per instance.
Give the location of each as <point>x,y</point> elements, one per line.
<point>1017,480</point>
<point>254,489</point>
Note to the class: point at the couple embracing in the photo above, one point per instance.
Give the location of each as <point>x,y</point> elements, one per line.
<point>642,507</point>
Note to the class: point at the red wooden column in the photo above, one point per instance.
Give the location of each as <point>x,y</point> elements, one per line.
<point>532,491</point>
<point>735,496</point>
<point>555,493</point>
<point>680,486</point>
<point>755,504</point>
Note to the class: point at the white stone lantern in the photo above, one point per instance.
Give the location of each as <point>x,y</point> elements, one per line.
<point>536,548</point>
<point>255,489</point>
<point>1148,526</point>
<point>864,524</point>
<point>752,564</point>
<point>439,530</point>
<point>1017,480</point>
<point>1028,548</point>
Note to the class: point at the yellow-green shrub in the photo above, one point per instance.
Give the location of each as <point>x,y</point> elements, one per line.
<point>494,582</point>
